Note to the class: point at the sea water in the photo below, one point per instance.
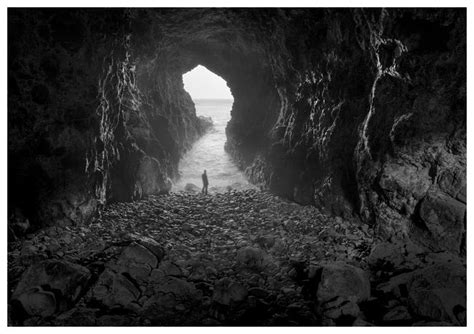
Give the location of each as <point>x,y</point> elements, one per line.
<point>208,153</point>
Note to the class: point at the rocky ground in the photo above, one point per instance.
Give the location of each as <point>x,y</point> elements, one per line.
<point>237,258</point>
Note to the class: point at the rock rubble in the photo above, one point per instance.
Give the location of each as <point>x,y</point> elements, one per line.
<point>237,258</point>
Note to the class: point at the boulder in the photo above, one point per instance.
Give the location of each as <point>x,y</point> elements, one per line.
<point>171,302</point>
<point>18,223</point>
<point>397,315</point>
<point>227,291</point>
<point>438,292</point>
<point>251,257</point>
<point>137,261</point>
<point>150,178</point>
<point>50,286</point>
<point>453,182</point>
<point>191,188</point>
<point>182,290</point>
<point>395,286</point>
<point>258,292</point>
<point>170,269</point>
<point>37,302</point>
<point>77,316</point>
<point>265,241</point>
<point>205,123</point>
<point>339,279</point>
<point>340,307</point>
<point>443,218</point>
<point>114,290</point>
<point>395,256</point>
<point>402,182</point>
<point>149,243</point>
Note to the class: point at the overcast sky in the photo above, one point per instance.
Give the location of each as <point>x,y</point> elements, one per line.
<point>203,84</point>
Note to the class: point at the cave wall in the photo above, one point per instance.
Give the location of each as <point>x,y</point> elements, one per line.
<point>385,122</point>
<point>53,60</point>
<point>372,118</point>
<point>81,132</point>
<point>358,111</point>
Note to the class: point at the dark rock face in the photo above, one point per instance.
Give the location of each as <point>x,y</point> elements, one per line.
<point>83,129</point>
<point>435,292</point>
<point>358,111</point>
<point>49,287</point>
<point>343,280</point>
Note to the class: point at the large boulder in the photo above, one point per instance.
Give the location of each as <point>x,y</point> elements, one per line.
<point>339,279</point>
<point>443,217</point>
<point>149,243</point>
<point>395,257</point>
<point>50,286</point>
<point>118,285</point>
<point>172,301</point>
<point>453,182</point>
<point>151,178</point>
<point>114,290</point>
<point>404,185</point>
<point>136,261</point>
<point>227,291</point>
<point>437,292</point>
<point>251,257</point>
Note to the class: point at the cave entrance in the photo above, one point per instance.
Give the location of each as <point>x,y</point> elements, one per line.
<point>213,99</point>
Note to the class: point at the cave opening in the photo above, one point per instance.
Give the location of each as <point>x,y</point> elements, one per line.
<point>213,101</point>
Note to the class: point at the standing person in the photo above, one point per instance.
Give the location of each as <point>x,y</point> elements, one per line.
<point>205,182</point>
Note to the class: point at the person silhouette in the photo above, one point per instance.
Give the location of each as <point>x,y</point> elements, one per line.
<point>205,182</point>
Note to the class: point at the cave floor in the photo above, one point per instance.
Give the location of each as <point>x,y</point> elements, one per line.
<point>236,258</point>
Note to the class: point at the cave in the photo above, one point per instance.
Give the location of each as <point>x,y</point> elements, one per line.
<point>213,102</point>
<point>349,122</point>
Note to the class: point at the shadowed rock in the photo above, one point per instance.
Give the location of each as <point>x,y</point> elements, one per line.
<point>50,286</point>
<point>343,280</point>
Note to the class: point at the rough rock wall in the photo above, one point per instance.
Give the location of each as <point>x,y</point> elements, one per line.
<point>81,131</point>
<point>53,59</point>
<point>372,118</point>
<point>411,157</point>
<point>358,111</point>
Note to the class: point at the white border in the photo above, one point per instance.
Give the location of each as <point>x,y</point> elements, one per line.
<point>234,3</point>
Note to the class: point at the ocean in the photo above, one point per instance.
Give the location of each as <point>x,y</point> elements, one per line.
<point>208,153</point>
